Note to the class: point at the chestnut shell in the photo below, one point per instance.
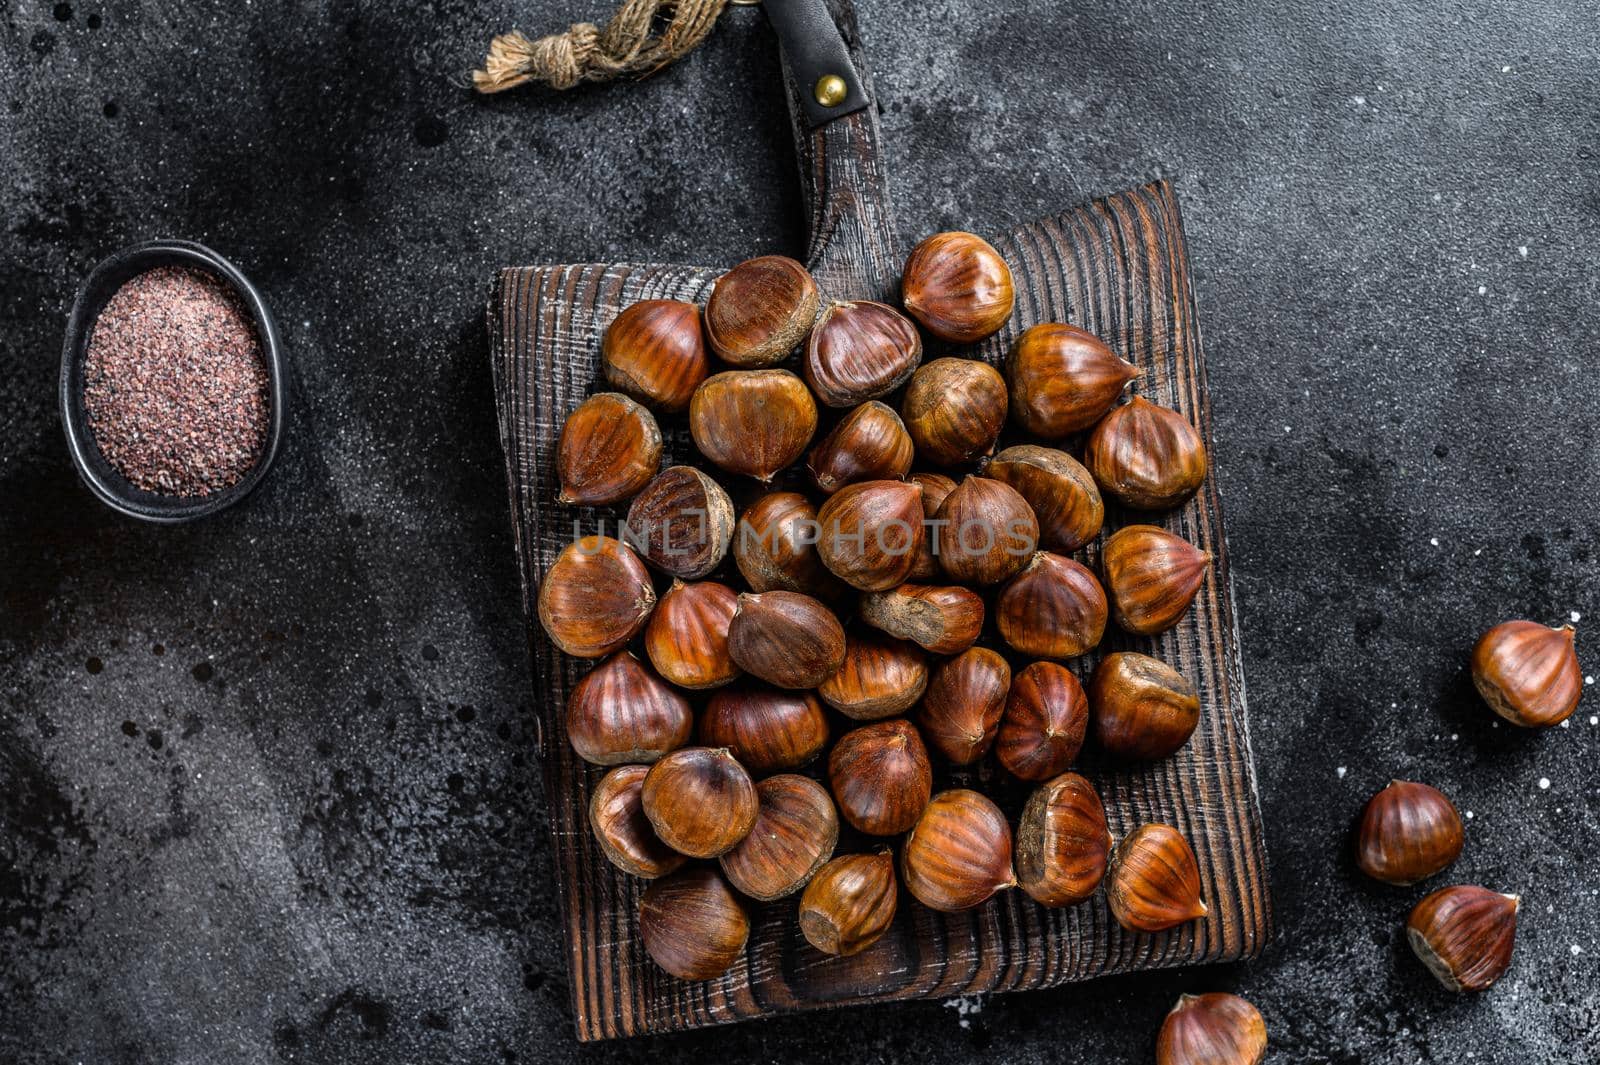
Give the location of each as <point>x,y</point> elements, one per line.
<point>1061,493</point>
<point>1063,379</point>
<point>961,709</point>
<point>869,444</point>
<point>958,286</point>
<point>752,422</point>
<point>595,597</point>
<point>859,351</point>
<point>681,523</point>
<point>1408,833</point>
<point>761,310</point>
<point>700,801</point>
<point>687,635</point>
<point>958,854</point>
<point>1146,456</point>
<point>692,925</point>
<point>766,730</point>
<point>794,834</point>
<point>943,619</point>
<point>1042,728</point>
<point>1052,609</point>
<point>1141,708</point>
<point>620,712</point>
<point>654,351</point>
<point>880,677</point>
<point>1465,935</point>
<point>986,532</point>
<point>1063,846</point>
<point>881,777</point>
<point>610,447</point>
<point>1214,1029</point>
<point>1528,673</point>
<point>850,903</point>
<point>616,814</point>
<point>1151,577</point>
<point>871,532</point>
<point>1154,883</point>
<point>954,410</point>
<point>785,638</point>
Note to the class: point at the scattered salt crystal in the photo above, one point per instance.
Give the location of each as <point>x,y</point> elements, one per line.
<point>1341,771</point>
<point>1576,616</point>
<point>1470,815</point>
<point>1523,251</point>
<point>1483,290</point>
<point>1544,783</point>
<point>1576,950</point>
<point>1434,540</point>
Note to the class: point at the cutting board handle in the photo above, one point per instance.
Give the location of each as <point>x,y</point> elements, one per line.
<point>853,249</point>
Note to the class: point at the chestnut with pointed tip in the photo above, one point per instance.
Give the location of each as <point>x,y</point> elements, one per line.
<point>954,410</point>
<point>1408,833</point>
<point>958,854</point>
<point>655,352</point>
<point>881,777</point>
<point>1528,673</point>
<point>794,833</point>
<point>869,444</point>
<point>765,730</point>
<point>682,523</point>
<point>1042,728</point>
<point>753,422</point>
<point>1465,935</point>
<point>761,310</point>
<point>1063,845</point>
<point>850,903</point>
<point>958,286</point>
<point>775,547</point>
<point>858,351</point>
<point>595,597</point>
<point>1059,490</point>
<point>942,619</point>
<point>1146,456</point>
<point>987,532</point>
<point>692,925</point>
<point>936,487</point>
<point>620,712</point>
<point>1052,609</point>
<point>786,639</point>
<point>961,709</point>
<point>1141,708</point>
<point>1154,882</point>
<point>870,533</point>
<point>1063,379</point>
<point>880,677</point>
<point>1151,577</point>
<point>616,813</point>
<point>610,447</point>
<point>700,801</point>
<point>1214,1029</point>
<point>687,635</point>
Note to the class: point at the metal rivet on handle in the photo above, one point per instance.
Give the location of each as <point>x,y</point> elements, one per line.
<point>831,90</point>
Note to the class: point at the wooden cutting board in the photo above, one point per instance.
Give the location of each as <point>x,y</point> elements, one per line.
<point>1116,266</point>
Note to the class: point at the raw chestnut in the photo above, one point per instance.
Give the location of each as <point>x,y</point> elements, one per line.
<point>595,597</point>
<point>620,712</point>
<point>687,636</point>
<point>616,813</point>
<point>849,903</point>
<point>869,444</point>
<point>765,730</point>
<point>1408,833</point>
<point>1528,673</point>
<point>1063,845</point>
<point>860,351</point>
<point>958,287</point>
<point>987,532</point>
<point>961,709</point>
<point>700,801</point>
<point>1052,609</point>
<point>1063,379</point>
<point>1214,1029</point>
<point>945,620</point>
<point>1465,935</point>
<point>754,422</point>
<point>881,777</point>
<point>870,533</point>
<point>936,487</point>
<point>776,547</point>
<point>655,352</point>
<point>682,523</point>
<point>1146,456</point>
<point>1046,716</point>
<point>761,310</point>
<point>1141,707</point>
<point>794,833</point>
<point>692,925</point>
<point>958,854</point>
<point>880,677</point>
<point>1059,490</point>
<point>786,639</point>
<point>954,410</point>
<point>610,447</point>
<point>1155,880</point>
<point>1151,577</point>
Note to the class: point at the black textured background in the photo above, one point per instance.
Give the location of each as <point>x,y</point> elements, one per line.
<point>266,782</point>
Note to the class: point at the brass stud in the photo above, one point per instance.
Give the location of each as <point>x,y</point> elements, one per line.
<point>831,90</point>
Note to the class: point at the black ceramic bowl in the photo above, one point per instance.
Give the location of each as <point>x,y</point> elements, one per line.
<point>113,489</point>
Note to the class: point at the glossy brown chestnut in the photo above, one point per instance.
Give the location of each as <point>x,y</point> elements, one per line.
<point>687,636</point>
<point>692,925</point>
<point>1046,716</point>
<point>1151,577</point>
<point>936,487</point>
<point>595,597</point>
<point>610,447</point>
<point>869,444</point>
<point>1063,844</point>
<point>1154,882</point>
<point>945,620</point>
<point>1057,488</point>
<point>682,523</point>
<point>786,639</point>
<point>620,712</point>
<point>1528,673</point>
<point>794,834</point>
<point>958,854</point>
<point>765,730</point>
<point>1145,456</point>
<point>1141,707</point>
<point>958,287</point>
<point>700,801</point>
<point>961,709</point>
<point>616,813</point>
<point>776,547</point>
<point>860,351</point>
<point>1408,833</point>
<point>870,533</point>
<point>1465,935</point>
<point>881,777</point>
<point>655,352</point>
<point>987,532</point>
<point>1063,379</point>
<point>754,422</point>
<point>1214,1029</point>
<point>850,903</point>
<point>761,310</point>
<point>880,677</point>
<point>954,410</point>
<point>1052,609</point>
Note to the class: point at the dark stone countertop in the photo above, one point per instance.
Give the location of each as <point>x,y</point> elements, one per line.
<point>265,788</point>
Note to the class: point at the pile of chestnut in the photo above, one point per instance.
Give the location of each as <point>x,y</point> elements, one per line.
<point>874,557</point>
